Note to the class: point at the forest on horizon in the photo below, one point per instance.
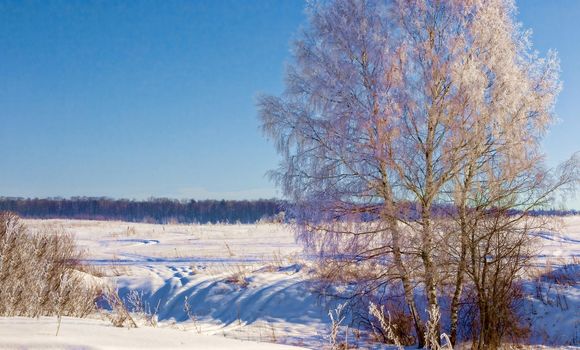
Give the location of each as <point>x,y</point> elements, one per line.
<point>153,210</point>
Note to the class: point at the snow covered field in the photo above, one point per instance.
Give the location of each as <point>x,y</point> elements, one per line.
<point>242,283</point>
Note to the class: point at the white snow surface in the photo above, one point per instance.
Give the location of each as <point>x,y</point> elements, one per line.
<point>241,281</point>
<point>88,334</point>
<point>246,282</point>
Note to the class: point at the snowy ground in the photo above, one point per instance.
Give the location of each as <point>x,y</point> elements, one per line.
<point>244,282</point>
<point>241,281</point>
<point>87,334</point>
<point>553,307</point>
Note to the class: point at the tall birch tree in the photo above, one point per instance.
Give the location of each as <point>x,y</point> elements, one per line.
<point>393,109</point>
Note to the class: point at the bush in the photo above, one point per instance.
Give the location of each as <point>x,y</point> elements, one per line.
<point>508,324</point>
<point>40,273</point>
<point>391,325</point>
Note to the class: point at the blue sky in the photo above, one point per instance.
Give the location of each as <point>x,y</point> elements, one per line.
<point>157,98</point>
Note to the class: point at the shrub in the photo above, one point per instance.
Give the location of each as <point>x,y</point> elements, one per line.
<point>119,314</point>
<point>508,324</point>
<point>391,325</point>
<point>40,273</point>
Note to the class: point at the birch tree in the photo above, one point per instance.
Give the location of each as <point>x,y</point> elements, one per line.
<point>393,109</point>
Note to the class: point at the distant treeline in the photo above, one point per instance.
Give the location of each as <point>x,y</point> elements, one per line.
<point>163,210</point>
<point>156,210</point>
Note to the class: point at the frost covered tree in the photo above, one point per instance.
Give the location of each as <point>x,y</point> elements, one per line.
<point>403,126</point>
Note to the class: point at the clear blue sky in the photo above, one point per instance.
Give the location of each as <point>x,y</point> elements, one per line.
<point>157,98</point>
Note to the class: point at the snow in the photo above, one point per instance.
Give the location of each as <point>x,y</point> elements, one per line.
<point>248,282</point>
<point>553,307</point>
<point>241,281</point>
<point>562,242</point>
<point>29,333</point>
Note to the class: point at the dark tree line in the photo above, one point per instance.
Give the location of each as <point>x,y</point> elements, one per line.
<point>163,210</point>
<point>155,210</point>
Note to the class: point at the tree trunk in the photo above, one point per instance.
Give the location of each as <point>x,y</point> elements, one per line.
<point>461,269</point>
<point>430,278</point>
<point>407,287</point>
<point>454,312</point>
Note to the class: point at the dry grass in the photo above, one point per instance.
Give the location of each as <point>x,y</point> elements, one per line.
<point>238,275</point>
<point>41,273</point>
<point>119,315</point>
